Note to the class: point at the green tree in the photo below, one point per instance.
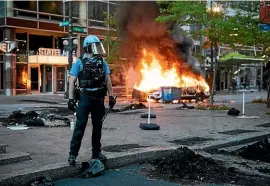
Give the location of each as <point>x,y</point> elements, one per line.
<point>212,23</point>
<point>218,25</point>
<point>111,40</point>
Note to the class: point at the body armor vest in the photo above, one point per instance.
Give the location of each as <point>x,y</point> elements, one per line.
<point>92,74</point>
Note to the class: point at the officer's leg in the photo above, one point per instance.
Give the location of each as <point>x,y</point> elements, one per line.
<point>82,114</point>
<point>97,114</point>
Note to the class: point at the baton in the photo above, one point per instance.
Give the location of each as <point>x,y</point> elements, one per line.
<point>108,110</point>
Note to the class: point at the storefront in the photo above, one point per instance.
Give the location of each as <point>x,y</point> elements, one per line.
<point>47,72</point>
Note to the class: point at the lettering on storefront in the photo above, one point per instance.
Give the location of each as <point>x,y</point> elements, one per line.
<point>49,52</point>
<point>11,46</point>
<point>3,47</point>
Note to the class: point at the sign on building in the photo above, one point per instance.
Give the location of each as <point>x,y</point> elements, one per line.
<point>8,47</point>
<point>49,52</point>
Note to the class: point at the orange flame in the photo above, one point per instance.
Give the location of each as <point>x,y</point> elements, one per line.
<point>154,76</point>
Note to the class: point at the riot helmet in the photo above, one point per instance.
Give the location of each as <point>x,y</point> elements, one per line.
<point>92,44</point>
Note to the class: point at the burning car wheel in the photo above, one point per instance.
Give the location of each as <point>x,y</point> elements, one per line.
<point>200,97</point>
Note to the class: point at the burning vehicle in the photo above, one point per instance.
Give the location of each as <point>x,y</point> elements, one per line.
<point>162,58</point>
<point>156,78</point>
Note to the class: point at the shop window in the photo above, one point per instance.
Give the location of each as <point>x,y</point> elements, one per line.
<point>112,9</point>
<point>2,10</point>
<point>21,46</point>
<point>25,5</point>
<point>43,42</point>
<point>75,9</point>
<point>21,76</point>
<point>51,7</point>
<point>96,11</point>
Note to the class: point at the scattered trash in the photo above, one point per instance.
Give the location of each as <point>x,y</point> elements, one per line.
<point>185,106</point>
<point>92,169</point>
<point>133,106</point>
<point>72,125</point>
<point>233,112</point>
<point>42,181</point>
<point>18,127</point>
<point>33,119</point>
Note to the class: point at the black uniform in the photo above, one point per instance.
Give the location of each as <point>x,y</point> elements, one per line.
<point>91,100</point>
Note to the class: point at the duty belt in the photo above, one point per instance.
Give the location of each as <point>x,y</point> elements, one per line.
<point>99,93</point>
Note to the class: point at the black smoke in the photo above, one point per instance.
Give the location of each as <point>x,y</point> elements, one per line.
<point>138,29</point>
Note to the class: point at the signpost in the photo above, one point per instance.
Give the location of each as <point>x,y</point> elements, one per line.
<point>64,23</point>
<point>79,29</point>
<point>264,27</point>
<point>70,29</point>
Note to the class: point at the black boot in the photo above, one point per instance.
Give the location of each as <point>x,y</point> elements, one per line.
<point>99,156</point>
<point>71,160</point>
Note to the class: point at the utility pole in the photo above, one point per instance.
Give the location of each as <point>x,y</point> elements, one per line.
<point>70,48</point>
<point>10,66</point>
<point>212,61</point>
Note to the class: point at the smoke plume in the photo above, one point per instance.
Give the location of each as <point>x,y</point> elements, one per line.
<point>138,29</point>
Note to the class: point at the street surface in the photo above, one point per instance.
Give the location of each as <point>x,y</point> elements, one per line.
<point>51,145</point>
<point>127,176</point>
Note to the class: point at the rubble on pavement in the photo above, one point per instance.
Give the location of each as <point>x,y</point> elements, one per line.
<point>185,166</point>
<point>33,119</point>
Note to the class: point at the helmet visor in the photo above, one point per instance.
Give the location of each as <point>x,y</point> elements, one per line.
<point>98,49</point>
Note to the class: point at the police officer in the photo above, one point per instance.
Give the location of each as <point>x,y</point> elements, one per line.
<point>92,72</point>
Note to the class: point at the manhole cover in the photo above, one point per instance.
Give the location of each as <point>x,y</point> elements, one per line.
<point>107,128</point>
<point>266,125</point>
<point>237,131</point>
<point>190,141</point>
<point>121,148</point>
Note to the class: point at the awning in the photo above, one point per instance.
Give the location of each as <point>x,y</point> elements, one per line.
<point>50,60</point>
<point>238,59</point>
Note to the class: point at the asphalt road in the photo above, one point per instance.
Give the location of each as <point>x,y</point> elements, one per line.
<point>127,176</point>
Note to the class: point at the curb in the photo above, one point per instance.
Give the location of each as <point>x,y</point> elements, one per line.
<point>63,170</point>
<point>14,157</point>
<point>235,142</point>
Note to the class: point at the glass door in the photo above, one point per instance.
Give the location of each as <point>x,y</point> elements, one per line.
<point>60,79</point>
<point>48,78</point>
<point>34,78</point>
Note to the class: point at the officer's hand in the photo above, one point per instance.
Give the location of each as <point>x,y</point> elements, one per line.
<point>112,101</point>
<point>71,104</point>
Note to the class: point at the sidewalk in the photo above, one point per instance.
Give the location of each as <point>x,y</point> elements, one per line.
<point>51,145</point>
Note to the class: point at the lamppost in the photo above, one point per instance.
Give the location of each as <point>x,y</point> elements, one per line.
<point>69,48</point>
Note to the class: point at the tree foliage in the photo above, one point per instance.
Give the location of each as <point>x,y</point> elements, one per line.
<point>111,41</point>
<point>222,28</point>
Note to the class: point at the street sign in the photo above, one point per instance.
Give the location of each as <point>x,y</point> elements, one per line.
<point>64,23</point>
<point>264,27</point>
<point>79,29</point>
<point>8,47</point>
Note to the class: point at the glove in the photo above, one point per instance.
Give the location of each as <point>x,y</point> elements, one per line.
<point>112,101</point>
<point>71,104</point>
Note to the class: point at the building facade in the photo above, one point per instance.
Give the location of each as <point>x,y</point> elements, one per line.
<point>39,65</point>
